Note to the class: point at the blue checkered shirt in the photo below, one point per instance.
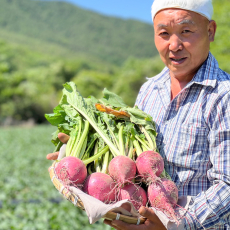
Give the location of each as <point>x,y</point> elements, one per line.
<point>194,140</point>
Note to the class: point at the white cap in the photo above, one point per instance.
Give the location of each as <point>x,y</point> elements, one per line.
<point>203,7</point>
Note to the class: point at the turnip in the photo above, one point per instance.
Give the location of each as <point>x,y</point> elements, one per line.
<point>101,186</point>
<point>71,170</point>
<point>161,198</point>
<point>150,165</point>
<point>135,194</point>
<point>171,191</point>
<point>122,169</point>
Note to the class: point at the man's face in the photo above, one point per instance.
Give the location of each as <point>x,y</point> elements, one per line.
<point>183,39</point>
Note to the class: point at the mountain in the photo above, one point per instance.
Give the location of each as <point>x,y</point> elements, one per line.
<point>74,31</point>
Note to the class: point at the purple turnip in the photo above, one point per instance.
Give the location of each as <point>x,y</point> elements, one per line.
<point>101,186</point>
<point>71,171</point>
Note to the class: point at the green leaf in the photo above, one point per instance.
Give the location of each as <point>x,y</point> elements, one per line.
<point>56,118</point>
<point>112,99</point>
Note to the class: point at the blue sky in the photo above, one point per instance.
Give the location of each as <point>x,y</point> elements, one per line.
<point>127,9</point>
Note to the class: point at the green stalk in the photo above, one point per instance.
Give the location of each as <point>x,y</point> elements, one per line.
<point>127,146</point>
<point>94,153</point>
<point>114,139</point>
<point>77,137</point>
<point>114,154</point>
<point>83,148</point>
<point>121,141</point>
<point>130,153</point>
<point>97,166</point>
<point>153,137</point>
<point>143,143</point>
<point>90,147</point>
<point>89,170</point>
<point>148,137</point>
<point>94,157</point>
<point>144,148</point>
<point>137,147</point>
<point>58,146</point>
<point>78,146</point>
<point>105,163</point>
<point>74,138</point>
<point>69,143</point>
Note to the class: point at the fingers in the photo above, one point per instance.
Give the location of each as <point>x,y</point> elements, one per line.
<point>149,214</point>
<point>108,222</point>
<point>63,137</point>
<point>52,156</point>
<point>120,225</point>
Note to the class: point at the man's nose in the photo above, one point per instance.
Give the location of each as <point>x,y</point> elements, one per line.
<point>175,43</point>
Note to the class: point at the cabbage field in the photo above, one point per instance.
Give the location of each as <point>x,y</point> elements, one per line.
<point>28,199</point>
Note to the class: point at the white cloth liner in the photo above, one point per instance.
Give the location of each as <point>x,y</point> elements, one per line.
<point>95,209</point>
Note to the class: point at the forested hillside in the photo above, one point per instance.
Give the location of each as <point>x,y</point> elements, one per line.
<point>78,31</point>
<point>45,44</point>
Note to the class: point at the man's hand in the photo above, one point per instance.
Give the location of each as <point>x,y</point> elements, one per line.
<point>152,222</point>
<point>64,139</point>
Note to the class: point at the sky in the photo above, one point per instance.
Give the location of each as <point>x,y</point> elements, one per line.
<point>126,9</point>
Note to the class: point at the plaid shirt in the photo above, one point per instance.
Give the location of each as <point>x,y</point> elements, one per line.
<point>194,140</point>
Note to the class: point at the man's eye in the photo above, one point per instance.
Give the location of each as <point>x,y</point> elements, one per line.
<point>163,33</point>
<point>186,31</point>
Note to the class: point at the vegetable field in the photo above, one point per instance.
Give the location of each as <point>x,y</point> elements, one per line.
<point>28,199</point>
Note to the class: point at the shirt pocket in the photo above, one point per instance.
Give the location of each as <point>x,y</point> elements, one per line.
<point>189,149</point>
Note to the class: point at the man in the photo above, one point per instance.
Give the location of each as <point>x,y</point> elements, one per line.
<point>190,103</point>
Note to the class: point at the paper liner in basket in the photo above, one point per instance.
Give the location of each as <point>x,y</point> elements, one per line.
<point>95,209</point>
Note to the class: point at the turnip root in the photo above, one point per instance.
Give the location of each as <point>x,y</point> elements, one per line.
<point>71,171</point>
<point>150,165</point>
<point>171,191</point>
<point>160,198</point>
<point>135,194</point>
<point>101,186</point>
<point>122,169</point>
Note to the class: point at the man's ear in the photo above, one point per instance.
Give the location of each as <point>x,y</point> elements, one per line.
<point>212,30</point>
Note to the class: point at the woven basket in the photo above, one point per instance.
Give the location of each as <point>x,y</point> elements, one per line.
<point>74,199</point>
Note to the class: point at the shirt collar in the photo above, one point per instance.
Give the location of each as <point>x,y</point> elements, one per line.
<point>206,75</point>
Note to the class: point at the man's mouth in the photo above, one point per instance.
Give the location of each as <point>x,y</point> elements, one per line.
<point>178,60</point>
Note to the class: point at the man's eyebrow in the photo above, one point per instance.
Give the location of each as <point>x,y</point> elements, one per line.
<point>161,25</point>
<point>186,21</point>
